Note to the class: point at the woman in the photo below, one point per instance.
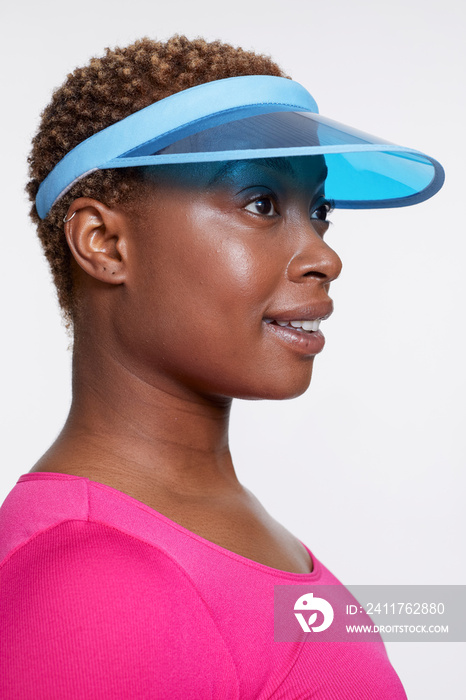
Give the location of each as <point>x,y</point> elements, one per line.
<point>186,244</point>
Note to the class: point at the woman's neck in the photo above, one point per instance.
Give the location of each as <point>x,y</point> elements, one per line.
<point>140,434</point>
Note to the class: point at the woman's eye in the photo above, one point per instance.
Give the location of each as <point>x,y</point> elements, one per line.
<point>263,206</point>
<point>322,211</point>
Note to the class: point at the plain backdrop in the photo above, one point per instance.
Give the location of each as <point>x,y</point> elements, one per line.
<point>368,466</point>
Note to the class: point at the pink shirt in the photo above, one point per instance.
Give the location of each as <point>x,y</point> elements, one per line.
<point>103,598</point>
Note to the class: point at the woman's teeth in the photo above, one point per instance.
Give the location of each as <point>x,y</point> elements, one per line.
<point>303,325</point>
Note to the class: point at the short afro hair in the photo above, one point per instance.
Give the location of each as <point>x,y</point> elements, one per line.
<point>101,93</point>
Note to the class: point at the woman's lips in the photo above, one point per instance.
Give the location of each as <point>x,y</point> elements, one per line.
<point>305,342</point>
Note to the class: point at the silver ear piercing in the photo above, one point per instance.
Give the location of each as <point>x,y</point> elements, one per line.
<point>65,220</point>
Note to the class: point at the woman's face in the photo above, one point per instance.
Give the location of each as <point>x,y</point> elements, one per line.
<point>220,257</point>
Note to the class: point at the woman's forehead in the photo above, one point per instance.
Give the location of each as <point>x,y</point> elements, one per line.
<point>298,168</point>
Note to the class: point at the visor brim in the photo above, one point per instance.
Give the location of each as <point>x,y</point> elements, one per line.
<point>363,170</point>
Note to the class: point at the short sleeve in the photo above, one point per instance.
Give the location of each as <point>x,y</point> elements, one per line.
<point>88,611</point>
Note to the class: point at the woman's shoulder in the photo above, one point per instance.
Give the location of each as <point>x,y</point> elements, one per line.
<point>95,610</point>
<point>57,538</point>
<point>50,523</point>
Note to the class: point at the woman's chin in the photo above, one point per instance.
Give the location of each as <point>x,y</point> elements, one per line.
<point>281,387</point>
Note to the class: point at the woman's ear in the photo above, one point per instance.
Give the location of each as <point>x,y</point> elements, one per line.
<point>95,235</point>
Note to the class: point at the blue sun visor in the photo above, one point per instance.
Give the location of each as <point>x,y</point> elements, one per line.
<point>245,118</point>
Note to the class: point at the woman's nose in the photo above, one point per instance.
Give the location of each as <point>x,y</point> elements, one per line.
<point>313,258</point>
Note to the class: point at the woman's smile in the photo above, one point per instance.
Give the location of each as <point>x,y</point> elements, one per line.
<point>228,276</point>
<point>301,327</point>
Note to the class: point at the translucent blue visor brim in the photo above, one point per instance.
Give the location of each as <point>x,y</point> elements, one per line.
<point>363,170</point>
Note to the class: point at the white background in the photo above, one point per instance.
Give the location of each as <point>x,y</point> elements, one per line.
<point>367,467</point>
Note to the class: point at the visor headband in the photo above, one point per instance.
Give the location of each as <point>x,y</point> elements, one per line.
<point>161,124</point>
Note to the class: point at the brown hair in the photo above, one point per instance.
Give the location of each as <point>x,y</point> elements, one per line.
<point>105,91</point>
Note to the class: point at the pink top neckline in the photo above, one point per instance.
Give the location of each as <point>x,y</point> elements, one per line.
<point>304,577</point>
